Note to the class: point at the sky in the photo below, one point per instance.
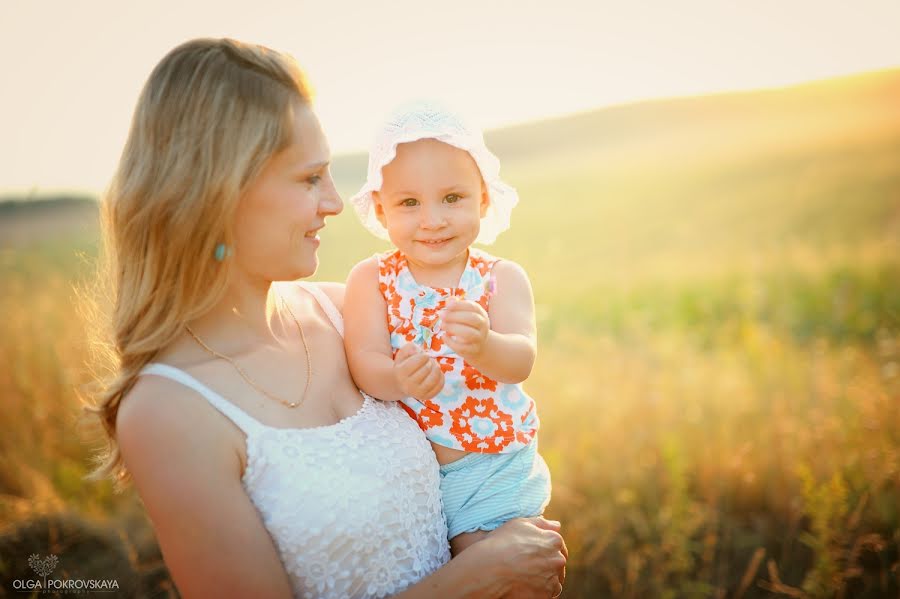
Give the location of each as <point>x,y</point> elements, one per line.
<point>71,71</point>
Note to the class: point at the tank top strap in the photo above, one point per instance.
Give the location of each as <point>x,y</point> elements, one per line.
<point>482,261</point>
<point>239,417</point>
<point>331,311</point>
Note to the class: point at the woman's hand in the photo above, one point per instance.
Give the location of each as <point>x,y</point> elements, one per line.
<point>417,374</point>
<point>525,557</point>
<point>532,556</point>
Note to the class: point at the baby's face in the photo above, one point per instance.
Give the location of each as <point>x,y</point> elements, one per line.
<point>431,201</point>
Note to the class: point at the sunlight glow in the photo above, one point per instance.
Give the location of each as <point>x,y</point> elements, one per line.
<point>72,73</point>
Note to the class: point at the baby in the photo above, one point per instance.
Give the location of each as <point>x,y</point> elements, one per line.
<point>443,327</point>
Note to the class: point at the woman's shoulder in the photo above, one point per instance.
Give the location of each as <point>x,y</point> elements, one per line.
<point>158,412</point>
<point>152,402</point>
<point>156,405</point>
<point>334,291</point>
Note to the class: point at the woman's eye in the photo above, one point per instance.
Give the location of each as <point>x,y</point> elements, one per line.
<point>409,202</point>
<point>452,198</point>
<point>314,180</point>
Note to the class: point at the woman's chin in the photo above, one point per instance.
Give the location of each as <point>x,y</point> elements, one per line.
<point>298,266</point>
<point>308,268</point>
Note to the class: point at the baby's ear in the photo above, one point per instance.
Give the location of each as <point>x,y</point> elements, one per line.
<point>379,208</point>
<point>485,199</point>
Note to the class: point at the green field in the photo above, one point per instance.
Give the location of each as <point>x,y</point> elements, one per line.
<point>718,293</point>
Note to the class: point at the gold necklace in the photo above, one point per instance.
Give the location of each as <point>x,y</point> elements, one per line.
<point>290,404</point>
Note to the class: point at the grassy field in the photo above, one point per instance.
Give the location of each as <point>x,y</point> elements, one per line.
<point>718,293</point>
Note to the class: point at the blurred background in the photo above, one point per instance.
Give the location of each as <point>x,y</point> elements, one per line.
<point>710,217</point>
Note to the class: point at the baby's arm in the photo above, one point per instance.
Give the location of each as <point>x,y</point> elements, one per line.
<point>368,345</point>
<point>501,344</point>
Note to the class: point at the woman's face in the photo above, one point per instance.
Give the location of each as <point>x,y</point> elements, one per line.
<point>283,209</point>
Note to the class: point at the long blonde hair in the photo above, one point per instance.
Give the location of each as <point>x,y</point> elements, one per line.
<point>209,117</point>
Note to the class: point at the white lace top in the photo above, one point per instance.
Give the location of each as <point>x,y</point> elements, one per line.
<point>354,507</point>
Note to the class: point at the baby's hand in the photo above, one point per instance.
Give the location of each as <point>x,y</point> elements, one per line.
<point>417,374</point>
<point>466,327</point>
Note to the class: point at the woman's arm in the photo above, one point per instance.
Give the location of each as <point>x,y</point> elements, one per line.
<point>501,343</point>
<point>523,558</point>
<point>188,477</point>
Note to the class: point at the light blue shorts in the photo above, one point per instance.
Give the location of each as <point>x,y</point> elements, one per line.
<point>481,491</point>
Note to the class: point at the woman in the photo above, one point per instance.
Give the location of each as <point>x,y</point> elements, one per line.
<point>264,470</point>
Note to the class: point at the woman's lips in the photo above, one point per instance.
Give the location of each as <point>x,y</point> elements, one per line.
<point>314,234</point>
<point>313,237</point>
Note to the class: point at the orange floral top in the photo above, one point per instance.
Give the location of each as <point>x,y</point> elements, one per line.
<point>473,412</point>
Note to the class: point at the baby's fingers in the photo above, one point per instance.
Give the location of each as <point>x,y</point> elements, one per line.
<point>463,322</point>
<point>415,367</point>
<point>463,307</point>
<point>410,357</point>
<point>433,383</point>
<point>408,350</point>
<point>461,331</point>
<point>422,371</point>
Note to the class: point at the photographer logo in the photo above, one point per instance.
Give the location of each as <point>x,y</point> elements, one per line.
<point>44,567</point>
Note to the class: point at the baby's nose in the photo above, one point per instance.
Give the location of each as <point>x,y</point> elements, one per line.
<point>432,217</point>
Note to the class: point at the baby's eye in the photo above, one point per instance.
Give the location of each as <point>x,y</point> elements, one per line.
<point>409,202</point>
<point>452,198</point>
<point>314,180</point>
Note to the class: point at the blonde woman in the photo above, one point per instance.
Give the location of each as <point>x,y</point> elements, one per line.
<point>265,471</point>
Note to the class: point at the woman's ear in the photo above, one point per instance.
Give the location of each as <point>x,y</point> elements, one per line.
<point>485,199</point>
<point>379,209</point>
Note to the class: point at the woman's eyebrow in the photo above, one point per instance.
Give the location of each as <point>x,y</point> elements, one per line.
<point>314,166</point>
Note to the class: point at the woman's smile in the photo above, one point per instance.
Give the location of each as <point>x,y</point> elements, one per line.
<point>313,235</point>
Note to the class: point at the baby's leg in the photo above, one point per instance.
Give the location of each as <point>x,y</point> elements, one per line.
<point>461,541</point>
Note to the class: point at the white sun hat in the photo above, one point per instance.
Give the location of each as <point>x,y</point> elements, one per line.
<point>426,119</point>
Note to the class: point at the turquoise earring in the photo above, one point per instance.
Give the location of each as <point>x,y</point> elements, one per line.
<point>222,252</point>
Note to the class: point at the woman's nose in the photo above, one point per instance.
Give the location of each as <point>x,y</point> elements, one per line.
<point>331,202</point>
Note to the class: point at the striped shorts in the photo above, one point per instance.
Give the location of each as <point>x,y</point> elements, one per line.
<point>481,491</point>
